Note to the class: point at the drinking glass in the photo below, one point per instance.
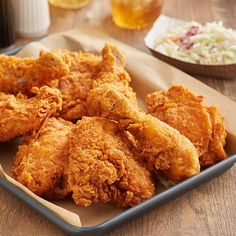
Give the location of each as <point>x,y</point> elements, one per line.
<point>135,14</point>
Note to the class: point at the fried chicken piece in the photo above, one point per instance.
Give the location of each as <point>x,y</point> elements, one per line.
<point>19,115</point>
<point>112,98</point>
<point>113,72</point>
<point>216,150</point>
<point>101,168</point>
<point>21,74</point>
<point>40,162</point>
<point>76,85</point>
<point>185,111</point>
<point>12,70</point>
<point>112,67</point>
<point>74,74</point>
<point>162,146</point>
<point>88,71</point>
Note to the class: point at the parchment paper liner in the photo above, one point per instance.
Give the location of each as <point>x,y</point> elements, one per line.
<point>66,215</point>
<point>148,74</point>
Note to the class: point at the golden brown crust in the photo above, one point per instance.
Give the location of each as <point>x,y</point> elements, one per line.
<point>185,111</point>
<point>74,74</point>
<point>153,136</point>
<point>40,162</point>
<point>76,85</point>
<point>71,72</point>
<point>12,70</point>
<point>19,115</point>
<point>102,168</point>
<point>100,160</point>
<point>111,97</point>
<point>112,68</point>
<point>21,74</point>
<point>216,150</point>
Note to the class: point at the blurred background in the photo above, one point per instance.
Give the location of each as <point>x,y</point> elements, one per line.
<point>36,18</point>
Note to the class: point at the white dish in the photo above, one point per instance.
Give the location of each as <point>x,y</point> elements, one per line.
<point>159,29</point>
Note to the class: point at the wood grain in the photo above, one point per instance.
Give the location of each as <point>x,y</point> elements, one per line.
<point>208,210</point>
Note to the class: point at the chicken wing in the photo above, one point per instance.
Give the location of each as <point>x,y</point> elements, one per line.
<point>185,111</point>
<point>162,146</point>
<point>19,115</point>
<point>101,168</point>
<point>41,160</point>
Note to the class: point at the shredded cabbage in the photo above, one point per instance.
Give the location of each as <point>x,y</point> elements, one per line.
<point>202,44</point>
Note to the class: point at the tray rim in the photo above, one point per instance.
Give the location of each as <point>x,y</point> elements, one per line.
<point>129,214</point>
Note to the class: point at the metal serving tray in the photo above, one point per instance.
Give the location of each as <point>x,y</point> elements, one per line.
<point>129,214</point>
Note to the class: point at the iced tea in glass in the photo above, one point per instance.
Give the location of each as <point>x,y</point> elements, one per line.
<point>135,14</point>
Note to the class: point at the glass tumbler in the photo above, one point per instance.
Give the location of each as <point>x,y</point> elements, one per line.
<point>135,14</point>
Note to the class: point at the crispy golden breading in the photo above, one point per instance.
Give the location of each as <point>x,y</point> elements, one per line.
<point>112,98</point>
<point>185,111</point>
<point>74,74</point>
<point>113,72</point>
<point>111,156</point>
<point>40,162</point>
<point>163,147</point>
<point>71,72</point>
<point>216,150</point>
<point>88,71</point>
<point>19,115</point>
<point>76,85</point>
<point>12,71</point>
<point>21,74</point>
<point>112,67</point>
<point>101,168</point>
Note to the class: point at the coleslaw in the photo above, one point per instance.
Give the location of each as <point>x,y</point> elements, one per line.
<point>211,44</point>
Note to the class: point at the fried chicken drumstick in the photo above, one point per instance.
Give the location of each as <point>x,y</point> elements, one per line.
<point>101,168</point>
<point>185,111</point>
<point>19,115</point>
<point>162,146</point>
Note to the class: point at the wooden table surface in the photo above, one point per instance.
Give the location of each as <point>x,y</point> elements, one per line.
<point>209,209</point>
